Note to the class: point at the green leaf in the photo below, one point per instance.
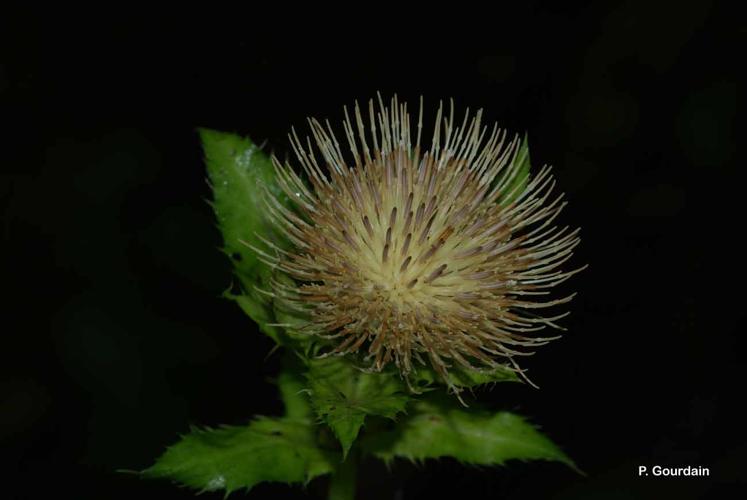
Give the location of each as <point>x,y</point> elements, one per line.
<point>238,169</point>
<point>231,458</point>
<point>433,429</point>
<point>281,326</point>
<point>260,312</point>
<point>520,174</point>
<point>462,377</point>
<point>343,396</point>
<point>292,385</point>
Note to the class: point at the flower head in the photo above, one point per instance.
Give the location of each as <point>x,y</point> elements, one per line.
<point>438,256</point>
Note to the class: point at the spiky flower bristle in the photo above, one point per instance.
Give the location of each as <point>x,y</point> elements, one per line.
<point>410,255</point>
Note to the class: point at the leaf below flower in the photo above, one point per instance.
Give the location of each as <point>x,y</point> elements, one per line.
<point>462,377</point>
<point>440,428</point>
<point>343,396</point>
<point>239,457</point>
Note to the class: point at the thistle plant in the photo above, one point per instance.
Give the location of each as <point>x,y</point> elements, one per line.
<point>393,276</point>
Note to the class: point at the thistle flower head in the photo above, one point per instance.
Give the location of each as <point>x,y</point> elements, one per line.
<point>413,256</point>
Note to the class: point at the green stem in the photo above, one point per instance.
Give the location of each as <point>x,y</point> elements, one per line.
<point>342,482</point>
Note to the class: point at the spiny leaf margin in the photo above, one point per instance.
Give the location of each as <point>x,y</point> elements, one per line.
<point>437,427</point>
<point>342,396</point>
<point>239,172</point>
<point>239,457</point>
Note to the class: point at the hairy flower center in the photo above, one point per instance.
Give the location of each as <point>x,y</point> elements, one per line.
<point>398,247</point>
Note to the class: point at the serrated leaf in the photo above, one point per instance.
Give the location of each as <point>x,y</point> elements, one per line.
<point>519,176</point>
<point>233,458</point>
<point>343,396</point>
<point>434,429</point>
<point>238,170</point>
<point>462,377</point>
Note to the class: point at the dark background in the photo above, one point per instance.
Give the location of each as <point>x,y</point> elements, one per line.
<point>115,338</point>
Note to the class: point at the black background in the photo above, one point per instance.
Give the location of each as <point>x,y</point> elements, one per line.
<point>115,338</point>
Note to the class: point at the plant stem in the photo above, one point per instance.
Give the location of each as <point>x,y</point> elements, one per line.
<point>342,482</point>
